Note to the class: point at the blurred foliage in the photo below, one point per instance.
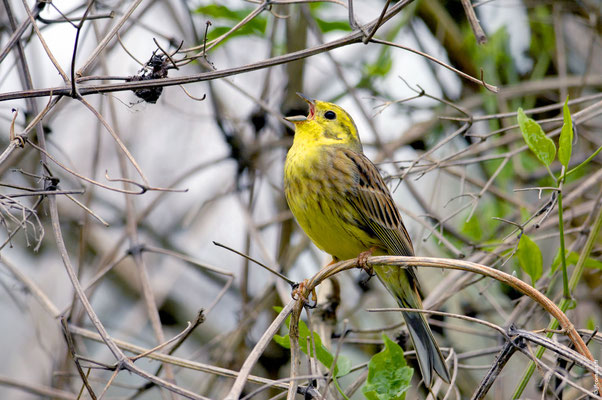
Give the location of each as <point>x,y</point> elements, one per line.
<point>221,14</point>
<point>313,340</point>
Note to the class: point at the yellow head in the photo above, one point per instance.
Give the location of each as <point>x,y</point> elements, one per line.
<point>326,124</point>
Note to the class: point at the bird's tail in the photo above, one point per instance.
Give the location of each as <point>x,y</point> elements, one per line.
<point>427,351</point>
<point>402,284</point>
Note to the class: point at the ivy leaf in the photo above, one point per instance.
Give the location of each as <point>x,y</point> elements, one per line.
<point>388,375</point>
<point>543,147</point>
<point>323,355</point>
<point>565,143</point>
<point>529,258</point>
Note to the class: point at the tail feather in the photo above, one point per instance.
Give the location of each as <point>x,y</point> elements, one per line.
<point>427,351</point>
<point>403,285</point>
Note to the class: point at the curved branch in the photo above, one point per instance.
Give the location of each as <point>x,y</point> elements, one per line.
<point>404,261</point>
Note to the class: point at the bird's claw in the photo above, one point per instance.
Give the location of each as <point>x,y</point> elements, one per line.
<point>298,292</point>
<point>362,261</point>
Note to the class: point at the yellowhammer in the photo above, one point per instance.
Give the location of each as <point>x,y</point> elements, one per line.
<point>343,205</point>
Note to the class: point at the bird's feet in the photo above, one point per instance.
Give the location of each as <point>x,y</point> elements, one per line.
<point>299,292</point>
<point>362,260</point>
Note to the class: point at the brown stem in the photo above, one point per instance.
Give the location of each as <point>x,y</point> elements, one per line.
<point>403,261</point>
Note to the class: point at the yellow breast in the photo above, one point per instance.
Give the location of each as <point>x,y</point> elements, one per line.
<point>317,186</point>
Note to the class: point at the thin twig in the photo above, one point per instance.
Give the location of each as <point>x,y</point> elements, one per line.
<point>474,22</point>
<point>273,271</point>
<point>491,88</point>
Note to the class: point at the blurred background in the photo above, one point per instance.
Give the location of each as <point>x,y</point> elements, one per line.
<point>146,182</point>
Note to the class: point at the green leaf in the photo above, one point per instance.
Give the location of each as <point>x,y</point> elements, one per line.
<point>565,143</point>
<point>592,263</point>
<point>381,66</point>
<point>328,26</point>
<point>590,324</point>
<point>323,355</point>
<point>388,375</point>
<point>472,229</point>
<point>256,26</point>
<point>572,258</point>
<point>217,11</point>
<point>282,341</point>
<point>529,258</point>
<point>543,147</point>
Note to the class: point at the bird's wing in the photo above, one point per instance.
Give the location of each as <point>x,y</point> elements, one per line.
<point>372,199</point>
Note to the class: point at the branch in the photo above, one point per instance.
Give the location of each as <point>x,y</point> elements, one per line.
<point>404,261</point>
<point>354,37</point>
<point>266,338</point>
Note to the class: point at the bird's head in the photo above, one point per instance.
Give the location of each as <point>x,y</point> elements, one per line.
<point>326,124</point>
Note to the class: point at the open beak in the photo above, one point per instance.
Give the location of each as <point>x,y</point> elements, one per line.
<point>303,118</point>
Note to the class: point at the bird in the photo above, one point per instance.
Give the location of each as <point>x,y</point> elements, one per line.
<point>340,200</point>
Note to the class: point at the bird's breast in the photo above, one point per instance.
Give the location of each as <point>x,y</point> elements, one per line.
<point>318,187</point>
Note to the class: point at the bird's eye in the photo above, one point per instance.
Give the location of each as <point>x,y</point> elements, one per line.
<point>330,115</point>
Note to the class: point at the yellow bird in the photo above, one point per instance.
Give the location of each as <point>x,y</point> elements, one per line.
<point>344,206</point>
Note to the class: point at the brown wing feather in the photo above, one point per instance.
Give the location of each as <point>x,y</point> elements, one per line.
<point>374,203</point>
